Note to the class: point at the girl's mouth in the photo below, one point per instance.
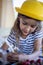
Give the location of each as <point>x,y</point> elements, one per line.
<point>25,32</point>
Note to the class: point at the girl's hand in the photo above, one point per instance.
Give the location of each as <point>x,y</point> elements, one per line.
<point>12,57</point>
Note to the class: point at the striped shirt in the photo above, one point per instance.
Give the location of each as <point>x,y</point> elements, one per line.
<point>25,45</point>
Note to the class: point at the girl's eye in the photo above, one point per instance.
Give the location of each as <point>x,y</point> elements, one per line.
<point>24,23</point>
<point>32,26</point>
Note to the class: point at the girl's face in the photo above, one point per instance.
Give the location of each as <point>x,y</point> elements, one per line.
<point>27,25</point>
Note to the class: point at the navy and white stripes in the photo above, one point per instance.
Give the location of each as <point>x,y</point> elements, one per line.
<point>25,45</point>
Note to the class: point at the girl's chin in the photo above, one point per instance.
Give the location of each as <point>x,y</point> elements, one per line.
<point>24,34</point>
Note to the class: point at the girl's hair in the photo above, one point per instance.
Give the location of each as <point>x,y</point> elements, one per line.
<point>16,27</point>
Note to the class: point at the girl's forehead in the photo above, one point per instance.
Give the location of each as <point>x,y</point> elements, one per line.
<point>29,20</point>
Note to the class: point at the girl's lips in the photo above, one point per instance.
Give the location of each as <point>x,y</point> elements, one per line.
<point>25,31</point>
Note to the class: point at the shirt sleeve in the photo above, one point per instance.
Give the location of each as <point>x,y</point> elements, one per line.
<point>11,40</point>
<point>38,35</point>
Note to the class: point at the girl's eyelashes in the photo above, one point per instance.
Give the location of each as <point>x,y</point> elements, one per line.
<point>29,25</point>
<point>32,26</point>
<point>25,23</point>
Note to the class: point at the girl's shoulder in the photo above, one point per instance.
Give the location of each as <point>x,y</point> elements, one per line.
<point>12,32</point>
<point>38,34</point>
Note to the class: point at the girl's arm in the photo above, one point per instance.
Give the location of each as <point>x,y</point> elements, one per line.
<point>35,54</point>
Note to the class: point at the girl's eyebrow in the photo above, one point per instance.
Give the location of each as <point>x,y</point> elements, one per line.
<point>25,22</point>
<point>29,23</point>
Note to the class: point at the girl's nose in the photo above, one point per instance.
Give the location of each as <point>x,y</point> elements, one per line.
<point>28,28</point>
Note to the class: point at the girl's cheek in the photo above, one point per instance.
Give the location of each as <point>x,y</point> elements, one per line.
<point>32,29</point>
<point>22,27</point>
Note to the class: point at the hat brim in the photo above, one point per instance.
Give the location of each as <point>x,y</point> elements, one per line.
<point>29,14</point>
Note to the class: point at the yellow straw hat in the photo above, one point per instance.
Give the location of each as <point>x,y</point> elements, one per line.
<point>31,8</point>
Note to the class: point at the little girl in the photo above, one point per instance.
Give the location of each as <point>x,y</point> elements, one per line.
<point>26,34</point>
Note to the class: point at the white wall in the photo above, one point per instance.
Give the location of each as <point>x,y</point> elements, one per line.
<point>7,18</point>
<point>0,11</point>
<point>17,3</point>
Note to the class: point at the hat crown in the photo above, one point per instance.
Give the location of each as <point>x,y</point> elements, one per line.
<point>32,8</point>
<point>32,5</point>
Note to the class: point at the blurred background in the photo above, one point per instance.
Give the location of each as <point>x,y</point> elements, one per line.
<point>8,15</point>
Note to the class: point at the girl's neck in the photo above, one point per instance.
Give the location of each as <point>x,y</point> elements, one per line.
<point>23,36</point>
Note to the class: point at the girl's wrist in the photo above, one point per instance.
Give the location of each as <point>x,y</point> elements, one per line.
<point>22,57</point>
